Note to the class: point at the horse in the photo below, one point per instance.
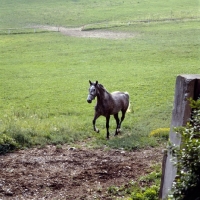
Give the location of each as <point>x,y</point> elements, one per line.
<point>108,104</point>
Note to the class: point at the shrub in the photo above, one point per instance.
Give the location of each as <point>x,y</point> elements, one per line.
<point>23,139</point>
<point>151,177</point>
<point>160,132</point>
<point>187,181</point>
<point>137,196</point>
<point>151,194</point>
<point>7,144</point>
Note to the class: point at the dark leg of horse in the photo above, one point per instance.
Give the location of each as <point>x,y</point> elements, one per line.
<point>107,126</point>
<point>122,118</point>
<point>94,122</point>
<point>117,122</point>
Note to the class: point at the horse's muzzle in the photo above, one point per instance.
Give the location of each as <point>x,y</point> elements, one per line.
<point>89,100</point>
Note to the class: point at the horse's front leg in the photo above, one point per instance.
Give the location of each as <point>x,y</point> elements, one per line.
<point>107,126</point>
<point>94,122</point>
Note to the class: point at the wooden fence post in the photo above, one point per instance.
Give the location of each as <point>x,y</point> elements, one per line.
<point>186,86</point>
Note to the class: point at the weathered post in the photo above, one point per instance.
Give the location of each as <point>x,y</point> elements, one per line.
<point>186,86</point>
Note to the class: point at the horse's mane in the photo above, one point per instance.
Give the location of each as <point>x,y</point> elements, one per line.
<point>102,87</point>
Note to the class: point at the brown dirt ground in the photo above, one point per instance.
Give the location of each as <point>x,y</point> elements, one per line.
<point>71,173</point>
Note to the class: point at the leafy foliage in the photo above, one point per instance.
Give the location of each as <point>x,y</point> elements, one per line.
<point>150,193</point>
<point>187,180</point>
<point>161,133</point>
<point>7,144</point>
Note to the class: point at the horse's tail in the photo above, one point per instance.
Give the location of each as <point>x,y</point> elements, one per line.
<point>129,104</point>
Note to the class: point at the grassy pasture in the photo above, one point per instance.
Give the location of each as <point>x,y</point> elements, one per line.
<point>44,76</point>
<point>23,13</point>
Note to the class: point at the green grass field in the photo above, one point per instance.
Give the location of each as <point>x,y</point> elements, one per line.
<point>81,12</point>
<point>44,75</point>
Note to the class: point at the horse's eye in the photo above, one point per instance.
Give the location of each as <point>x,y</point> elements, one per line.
<point>93,90</point>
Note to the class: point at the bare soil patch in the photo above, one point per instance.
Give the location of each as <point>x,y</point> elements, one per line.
<point>71,173</point>
<point>78,32</point>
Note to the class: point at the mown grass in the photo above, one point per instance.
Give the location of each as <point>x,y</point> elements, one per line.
<point>44,77</point>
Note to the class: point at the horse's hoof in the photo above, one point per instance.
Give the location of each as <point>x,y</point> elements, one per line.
<point>118,130</point>
<point>97,131</point>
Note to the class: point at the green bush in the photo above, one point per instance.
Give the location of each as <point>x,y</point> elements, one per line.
<point>137,196</point>
<point>160,133</point>
<point>7,144</point>
<point>151,177</point>
<point>187,182</point>
<point>150,193</point>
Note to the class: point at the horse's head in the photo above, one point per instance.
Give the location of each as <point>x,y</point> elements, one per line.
<point>92,91</point>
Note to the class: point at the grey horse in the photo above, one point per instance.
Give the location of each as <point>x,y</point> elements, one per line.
<point>108,104</point>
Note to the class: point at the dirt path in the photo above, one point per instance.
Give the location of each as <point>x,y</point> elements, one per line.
<point>77,32</point>
<point>70,173</point>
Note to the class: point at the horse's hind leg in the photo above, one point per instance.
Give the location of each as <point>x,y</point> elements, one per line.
<point>118,124</point>
<point>122,118</point>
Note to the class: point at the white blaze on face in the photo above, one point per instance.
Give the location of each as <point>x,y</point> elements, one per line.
<point>92,94</point>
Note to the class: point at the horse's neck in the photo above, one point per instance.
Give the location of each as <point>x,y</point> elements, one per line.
<point>103,96</point>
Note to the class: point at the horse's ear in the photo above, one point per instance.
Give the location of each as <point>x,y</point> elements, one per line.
<point>90,82</point>
<point>96,83</point>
